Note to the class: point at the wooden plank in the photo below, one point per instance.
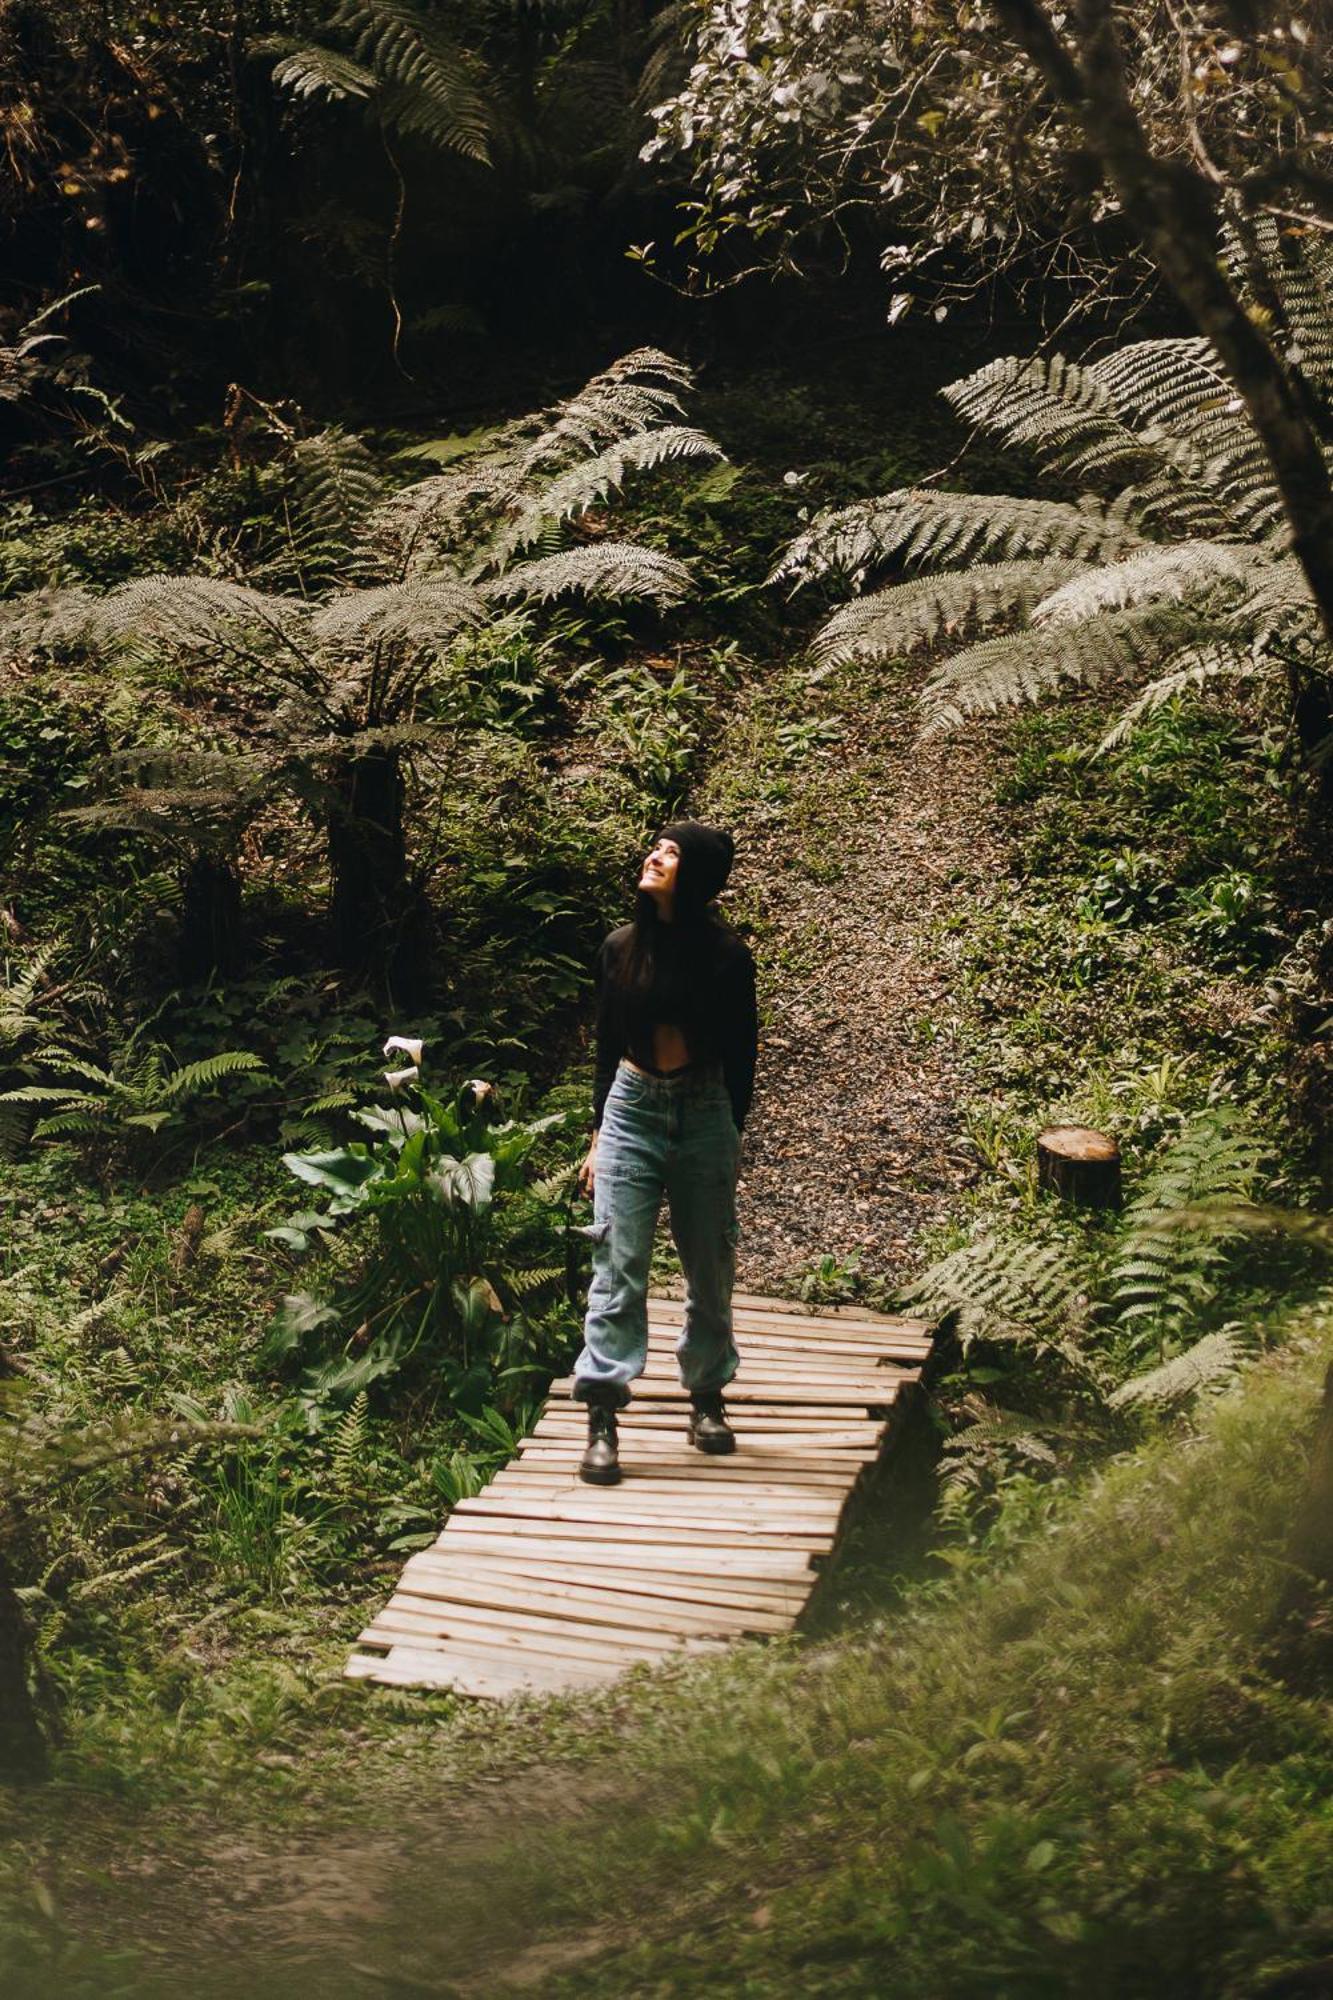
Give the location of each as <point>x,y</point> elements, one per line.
<point>773,1396</point>
<point>637,1463</point>
<point>754,1432</point>
<point>622,1520</point>
<point>740,1499</point>
<point>580,1539</point>
<point>638,1624</point>
<point>634,1610</point>
<point>529,1632</point>
<point>801,1309</point>
<point>477,1674</point>
<point>703,1481</point>
<point>683,1586</point>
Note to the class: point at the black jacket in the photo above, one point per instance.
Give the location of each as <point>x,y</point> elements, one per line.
<point>704,986</point>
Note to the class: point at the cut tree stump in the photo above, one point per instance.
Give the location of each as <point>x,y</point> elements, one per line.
<point>1079,1165</point>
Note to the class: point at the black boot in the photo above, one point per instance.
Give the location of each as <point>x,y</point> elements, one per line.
<point>709,1428</point>
<point>601,1461</point>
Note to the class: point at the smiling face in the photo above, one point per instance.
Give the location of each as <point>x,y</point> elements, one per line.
<point>658,875</point>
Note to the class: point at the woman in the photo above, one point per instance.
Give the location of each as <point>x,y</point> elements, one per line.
<point>677,1033</point>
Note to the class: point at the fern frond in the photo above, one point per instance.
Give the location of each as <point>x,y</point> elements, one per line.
<point>601,569</point>
<point>590,481</point>
<point>54,620</point>
<point>426,80</point>
<point>1215,1355</point>
<point>424,613</point>
<point>316,72</point>
<point>1173,574</point>
<point>994,1281</point>
<point>919,526</point>
<point>1024,666</point>
<point>1179,393</point>
<point>523,1282</point>
<point>1185,460</point>
<point>636,393</point>
<point>918,613</point>
<point>1280,606</point>
<point>199,1075</point>
<point>347,1446</point>
<point>194,610</point>
<point>1192,667</point>
<point>334,487</point>
<point>1300,270</point>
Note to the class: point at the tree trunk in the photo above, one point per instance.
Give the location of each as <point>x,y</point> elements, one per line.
<point>210,932</point>
<point>380,924</point>
<point>22,1749</point>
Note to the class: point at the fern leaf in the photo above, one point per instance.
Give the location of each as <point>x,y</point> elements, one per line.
<point>194,611</point>
<point>920,527</point>
<point>590,481</point>
<point>1215,1355</point>
<point>920,612</point>
<point>1024,666</point>
<point>1192,667</point>
<point>601,569</point>
<point>426,80</point>
<point>199,1075</point>
<point>316,72</point>
<point>1167,575</point>
<point>424,614</point>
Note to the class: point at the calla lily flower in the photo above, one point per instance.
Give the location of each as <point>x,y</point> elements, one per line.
<point>396,1078</point>
<point>480,1089</point>
<point>412,1050</point>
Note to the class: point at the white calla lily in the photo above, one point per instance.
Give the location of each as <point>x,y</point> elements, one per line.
<point>480,1089</point>
<point>412,1050</point>
<point>396,1078</point>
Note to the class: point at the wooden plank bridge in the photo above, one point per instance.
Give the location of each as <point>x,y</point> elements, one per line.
<point>542,1585</point>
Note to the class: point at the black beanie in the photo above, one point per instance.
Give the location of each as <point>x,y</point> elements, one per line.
<point>705,861</point>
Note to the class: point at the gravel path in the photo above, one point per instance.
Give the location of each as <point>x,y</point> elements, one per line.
<point>854,1144</point>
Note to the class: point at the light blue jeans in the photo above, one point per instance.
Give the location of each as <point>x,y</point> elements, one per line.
<point>673,1136</point>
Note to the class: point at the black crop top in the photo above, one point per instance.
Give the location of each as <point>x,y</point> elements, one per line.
<point>704,986</point>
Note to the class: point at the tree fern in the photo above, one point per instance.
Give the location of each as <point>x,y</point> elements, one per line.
<point>1180,510</point>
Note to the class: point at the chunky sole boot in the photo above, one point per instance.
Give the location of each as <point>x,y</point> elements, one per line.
<point>601,1460</point>
<point>709,1429</point>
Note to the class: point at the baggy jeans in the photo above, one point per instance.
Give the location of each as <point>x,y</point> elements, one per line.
<point>672,1135</point>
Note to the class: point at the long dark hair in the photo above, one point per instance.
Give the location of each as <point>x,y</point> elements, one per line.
<point>634,974</point>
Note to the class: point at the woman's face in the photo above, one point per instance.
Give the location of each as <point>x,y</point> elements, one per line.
<point>658,876</point>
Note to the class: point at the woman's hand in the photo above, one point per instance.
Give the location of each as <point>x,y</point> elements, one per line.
<point>588,1171</point>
